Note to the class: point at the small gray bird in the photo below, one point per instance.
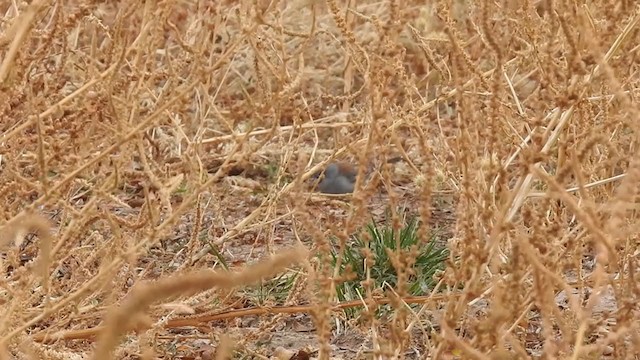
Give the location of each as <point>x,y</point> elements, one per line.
<point>338,178</point>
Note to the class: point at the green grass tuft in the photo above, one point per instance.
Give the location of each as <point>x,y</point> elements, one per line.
<point>431,258</point>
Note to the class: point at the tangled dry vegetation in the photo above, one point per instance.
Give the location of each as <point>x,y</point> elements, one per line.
<point>154,157</point>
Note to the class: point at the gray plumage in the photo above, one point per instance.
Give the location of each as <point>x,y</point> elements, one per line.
<point>338,178</point>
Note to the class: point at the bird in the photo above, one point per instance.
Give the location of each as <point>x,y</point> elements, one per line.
<point>337,178</point>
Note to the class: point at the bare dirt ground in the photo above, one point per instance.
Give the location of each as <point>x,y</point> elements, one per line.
<point>156,157</point>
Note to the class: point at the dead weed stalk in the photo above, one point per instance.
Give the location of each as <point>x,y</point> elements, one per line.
<point>135,137</point>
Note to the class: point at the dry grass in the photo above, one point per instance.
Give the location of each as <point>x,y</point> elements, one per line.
<point>145,146</point>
